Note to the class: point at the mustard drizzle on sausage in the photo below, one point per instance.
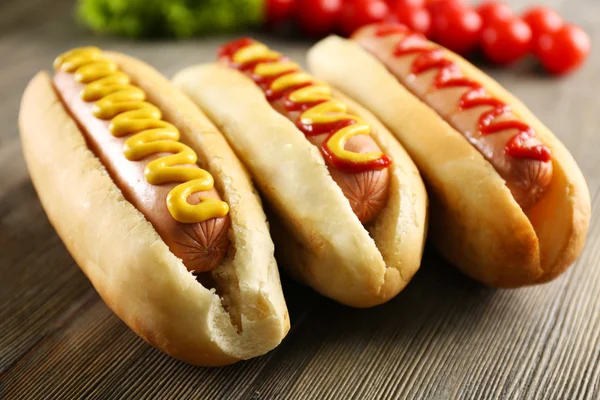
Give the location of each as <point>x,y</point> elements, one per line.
<point>270,63</point>
<point>124,104</point>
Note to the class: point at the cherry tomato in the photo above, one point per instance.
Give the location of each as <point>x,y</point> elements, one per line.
<point>279,10</point>
<point>542,20</point>
<point>357,13</point>
<point>438,6</point>
<point>491,11</point>
<point>318,17</point>
<point>416,18</point>
<point>564,50</point>
<point>457,29</point>
<point>505,42</point>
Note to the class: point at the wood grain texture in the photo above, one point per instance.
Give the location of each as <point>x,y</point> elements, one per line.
<point>444,337</point>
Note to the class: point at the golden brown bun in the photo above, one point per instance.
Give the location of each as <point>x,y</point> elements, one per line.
<point>324,244</point>
<point>475,221</point>
<point>123,256</point>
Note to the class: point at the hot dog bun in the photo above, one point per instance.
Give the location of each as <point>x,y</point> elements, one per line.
<point>126,260</point>
<point>476,222</point>
<point>324,244</point>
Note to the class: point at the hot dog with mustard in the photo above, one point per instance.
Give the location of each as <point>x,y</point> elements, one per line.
<point>143,155</point>
<point>154,207</point>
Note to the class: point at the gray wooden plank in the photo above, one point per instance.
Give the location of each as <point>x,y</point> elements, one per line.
<point>40,283</point>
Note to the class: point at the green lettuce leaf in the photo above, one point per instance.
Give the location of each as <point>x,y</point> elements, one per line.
<point>175,18</point>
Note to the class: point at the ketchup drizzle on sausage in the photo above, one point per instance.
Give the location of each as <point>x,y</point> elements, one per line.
<point>227,53</point>
<point>433,58</point>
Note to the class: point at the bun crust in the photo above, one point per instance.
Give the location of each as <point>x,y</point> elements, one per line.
<point>127,262</point>
<point>323,243</point>
<point>475,222</point>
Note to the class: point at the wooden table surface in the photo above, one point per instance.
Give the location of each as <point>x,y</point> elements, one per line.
<point>444,337</point>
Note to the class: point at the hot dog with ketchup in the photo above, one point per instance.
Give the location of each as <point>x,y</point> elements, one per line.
<point>350,201</point>
<point>510,206</point>
<point>363,174</point>
<point>144,190</point>
<point>489,124</point>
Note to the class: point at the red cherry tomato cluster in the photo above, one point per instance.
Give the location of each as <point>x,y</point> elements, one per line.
<point>492,26</point>
<point>506,37</point>
<point>561,47</point>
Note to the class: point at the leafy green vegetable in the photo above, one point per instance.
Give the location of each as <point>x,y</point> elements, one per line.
<point>179,18</point>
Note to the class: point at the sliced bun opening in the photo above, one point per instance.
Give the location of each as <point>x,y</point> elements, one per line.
<point>247,282</point>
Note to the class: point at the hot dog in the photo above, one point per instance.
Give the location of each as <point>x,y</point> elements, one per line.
<point>505,140</point>
<point>202,242</point>
<point>349,204</point>
<point>143,190</point>
<point>510,206</point>
<point>292,93</point>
